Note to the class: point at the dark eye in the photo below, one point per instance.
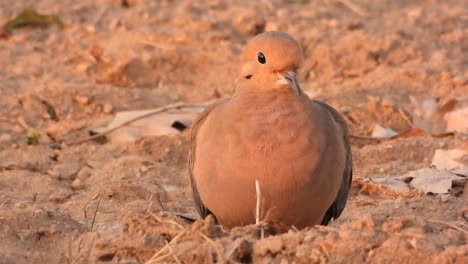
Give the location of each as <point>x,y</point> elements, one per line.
<point>261,58</point>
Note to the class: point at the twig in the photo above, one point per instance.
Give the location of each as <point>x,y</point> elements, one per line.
<point>448,225</point>
<point>3,204</point>
<point>154,258</point>
<point>330,229</point>
<point>157,218</point>
<point>172,253</point>
<point>218,252</point>
<point>405,117</point>
<point>22,123</point>
<point>160,258</point>
<point>369,138</point>
<point>95,213</point>
<point>156,111</point>
<point>353,7</point>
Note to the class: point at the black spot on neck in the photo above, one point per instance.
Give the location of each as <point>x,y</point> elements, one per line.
<point>248,76</point>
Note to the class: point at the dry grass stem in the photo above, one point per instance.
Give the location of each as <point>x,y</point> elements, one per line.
<point>447,225</point>
<point>355,8</point>
<point>218,252</point>
<point>258,209</point>
<point>174,256</point>
<point>156,111</point>
<point>154,258</point>
<point>160,220</point>
<point>405,117</point>
<point>95,213</point>
<point>327,228</point>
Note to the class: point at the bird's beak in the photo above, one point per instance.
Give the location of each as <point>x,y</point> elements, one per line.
<point>291,77</point>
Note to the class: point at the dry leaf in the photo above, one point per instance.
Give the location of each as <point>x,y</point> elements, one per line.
<point>396,183</point>
<point>436,119</point>
<point>426,180</point>
<point>382,132</point>
<point>431,180</point>
<point>449,160</point>
<point>457,118</point>
<point>134,124</point>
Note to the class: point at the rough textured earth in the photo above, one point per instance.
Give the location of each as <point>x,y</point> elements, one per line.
<point>99,202</point>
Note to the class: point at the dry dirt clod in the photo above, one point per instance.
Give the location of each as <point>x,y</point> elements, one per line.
<point>82,100</point>
<point>65,171</point>
<point>459,81</point>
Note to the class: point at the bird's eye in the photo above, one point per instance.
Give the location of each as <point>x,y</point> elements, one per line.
<point>261,58</point>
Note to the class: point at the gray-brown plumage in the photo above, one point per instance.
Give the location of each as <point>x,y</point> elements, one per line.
<point>297,148</point>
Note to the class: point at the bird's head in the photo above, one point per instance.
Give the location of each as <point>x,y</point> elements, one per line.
<point>271,60</point>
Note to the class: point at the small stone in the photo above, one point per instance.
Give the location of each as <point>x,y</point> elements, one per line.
<point>18,129</point>
<point>128,261</point>
<point>272,26</point>
<point>90,29</point>
<point>459,81</point>
<point>59,196</point>
<point>5,137</point>
<point>54,174</point>
<point>143,169</point>
<point>76,184</point>
<point>20,205</point>
<point>82,67</point>
<point>271,244</point>
<point>65,171</point>
<point>444,198</point>
<point>84,173</point>
<point>82,100</point>
<point>107,108</point>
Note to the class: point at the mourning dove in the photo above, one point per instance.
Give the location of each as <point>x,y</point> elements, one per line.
<point>270,131</point>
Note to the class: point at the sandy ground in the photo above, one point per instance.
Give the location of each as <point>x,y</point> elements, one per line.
<point>118,202</point>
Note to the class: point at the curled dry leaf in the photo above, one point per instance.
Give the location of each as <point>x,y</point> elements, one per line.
<point>437,118</point>
<point>457,117</point>
<point>426,180</point>
<point>431,180</point>
<point>454,160</point>
<point>380,131</point>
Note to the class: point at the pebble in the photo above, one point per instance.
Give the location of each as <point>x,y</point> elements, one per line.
<point>20,205</point>
<point>84,173</point>
<point>272,244</point>
<point>65,171</point>
<point>107,108</point>
<point>76,184</point>
<point>90,29</point>
<point>82,100</point>
<point>82,67</point>
<point>5,137</point>
<point>444,198</point>
<point>459,81</point>
<point>59,196</point>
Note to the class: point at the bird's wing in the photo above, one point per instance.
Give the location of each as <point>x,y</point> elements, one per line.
<point>339,204</point>
<point>202,210</point>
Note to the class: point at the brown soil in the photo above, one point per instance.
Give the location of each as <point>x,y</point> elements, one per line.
<point>118,203</point>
